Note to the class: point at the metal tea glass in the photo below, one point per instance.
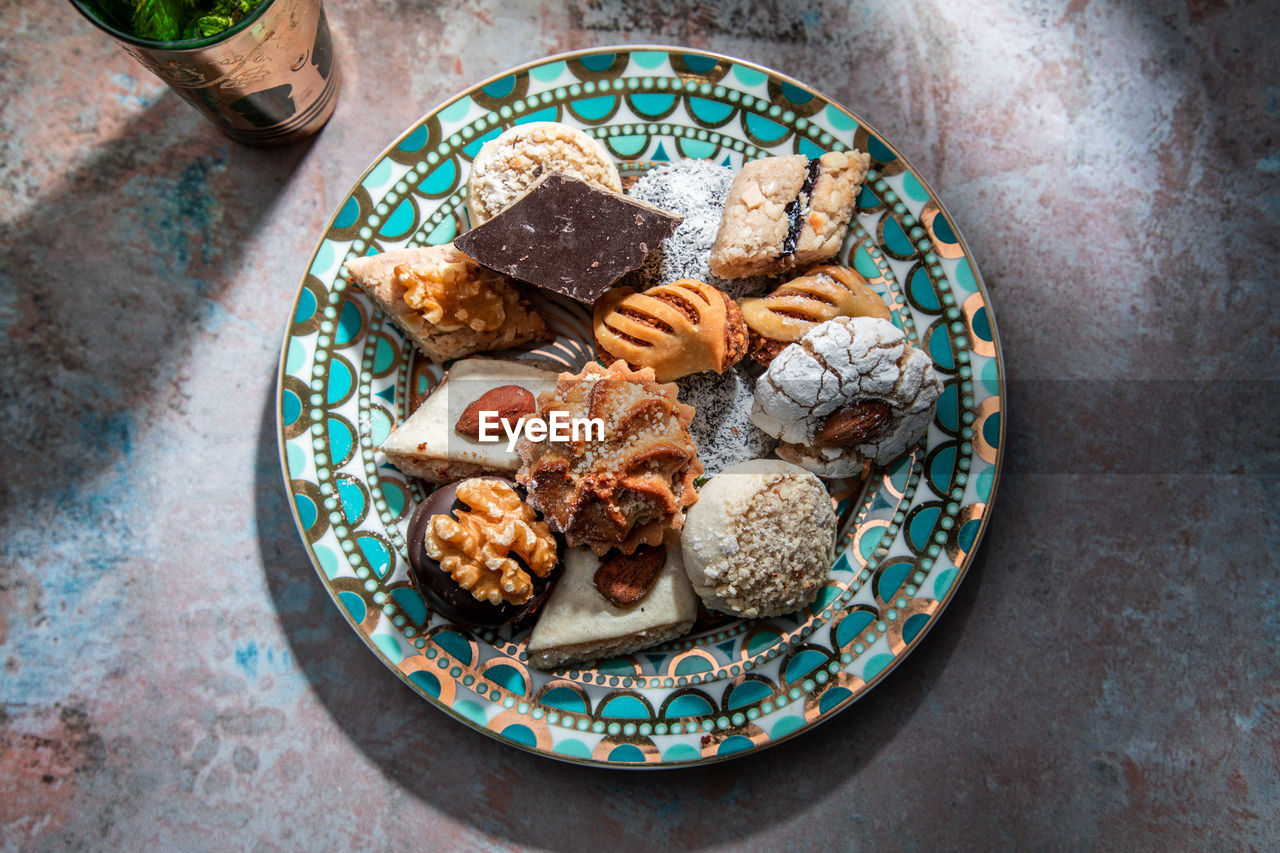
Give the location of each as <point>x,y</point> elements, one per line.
<point>269,79</point>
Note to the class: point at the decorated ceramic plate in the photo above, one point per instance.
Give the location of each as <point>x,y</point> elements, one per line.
<point>908,531</point>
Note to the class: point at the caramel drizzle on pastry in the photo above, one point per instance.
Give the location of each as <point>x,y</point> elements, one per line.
<point>822,294</point>
<point>680,328</point>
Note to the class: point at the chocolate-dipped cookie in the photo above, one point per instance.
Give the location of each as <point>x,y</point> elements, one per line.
<point>457,537</point>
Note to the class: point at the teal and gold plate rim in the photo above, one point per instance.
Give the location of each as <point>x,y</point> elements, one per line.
<point>909,532</point>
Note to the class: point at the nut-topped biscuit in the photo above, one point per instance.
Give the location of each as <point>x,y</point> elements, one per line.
<point>620,486</point>
<point>509,164</point>
<point>490,548</point>
<point>446,303</point>
<point>440,441</point>
<point>787,212</point>
<point>850,391</point>
<point>580,622</point>
<point>759,542</point>
<point>478,553</point>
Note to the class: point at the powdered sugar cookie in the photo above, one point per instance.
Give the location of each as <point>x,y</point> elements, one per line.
<point>850,390</point>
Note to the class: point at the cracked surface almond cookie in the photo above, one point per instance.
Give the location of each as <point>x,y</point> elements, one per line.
<point>623,485</point>
<point>852,390</point>
<point>787,212</point>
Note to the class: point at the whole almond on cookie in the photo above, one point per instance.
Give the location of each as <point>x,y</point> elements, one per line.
<point>510,402</point>
<point>857,424</point>
<point>624,579</point>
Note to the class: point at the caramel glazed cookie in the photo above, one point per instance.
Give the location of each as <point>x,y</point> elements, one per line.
<point>852,390</point>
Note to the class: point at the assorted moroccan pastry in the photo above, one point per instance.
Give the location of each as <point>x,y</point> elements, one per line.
<point>606,508</point>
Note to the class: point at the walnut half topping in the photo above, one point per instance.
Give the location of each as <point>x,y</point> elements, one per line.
<point>479,548</point>
<point>454,295</point>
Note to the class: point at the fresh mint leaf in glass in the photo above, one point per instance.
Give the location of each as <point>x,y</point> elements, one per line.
<point>174,20</point>
<point>263,71</point>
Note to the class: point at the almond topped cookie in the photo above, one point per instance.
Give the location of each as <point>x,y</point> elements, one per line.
<point>850,391</point>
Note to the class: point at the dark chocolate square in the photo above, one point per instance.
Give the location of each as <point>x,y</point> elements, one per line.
<point>568,237</point>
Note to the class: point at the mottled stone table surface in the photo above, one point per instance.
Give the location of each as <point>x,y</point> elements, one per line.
<point>174,677</point>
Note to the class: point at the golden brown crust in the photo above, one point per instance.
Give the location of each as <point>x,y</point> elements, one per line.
<point>449,305</point>
<point>788,313</point>
<point>677,329</point>
<point>626,489</point>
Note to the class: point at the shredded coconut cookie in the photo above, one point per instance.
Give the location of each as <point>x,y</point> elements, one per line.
<point>851,390</point>
<point>695,189</point>
<point>760,539</point>
<point>721,425</point>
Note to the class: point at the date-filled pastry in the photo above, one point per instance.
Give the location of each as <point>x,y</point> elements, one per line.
<point>677,329</point>
<point>823,293</point>
<point>446,303</point>
<point>622,482</point>
<point>787,212</point>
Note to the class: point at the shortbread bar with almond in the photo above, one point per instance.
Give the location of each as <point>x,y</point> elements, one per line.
<point>441,441</point>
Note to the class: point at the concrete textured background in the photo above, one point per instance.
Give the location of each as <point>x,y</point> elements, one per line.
<point>173,677</point>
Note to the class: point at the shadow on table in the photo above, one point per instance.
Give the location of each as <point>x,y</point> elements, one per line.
<point>539,802</point>
<point>106,278</point>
